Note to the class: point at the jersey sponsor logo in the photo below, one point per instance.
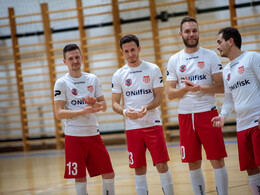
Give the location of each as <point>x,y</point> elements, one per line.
<point>196,77</point>
<point>201,65</point>
<point>232,65</point>
<point>239,84</point>
<point>77,102</point>
<point>161,79</point>
<point>138,92</point>
<point>137,71</point>
<point>57,92</point>
<point>80,82</point>
<point>74,91</point>
<point>220,66</point>
<point>182,68</point>
<point>146,79</point>
<point>90,88</point>
<point>241,69</point>
<point>190,58</point>
<point>228,76</point>
<point>128,82</point>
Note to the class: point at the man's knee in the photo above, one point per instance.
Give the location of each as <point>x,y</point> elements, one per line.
<point>162,167</point>
<point>108,175</point>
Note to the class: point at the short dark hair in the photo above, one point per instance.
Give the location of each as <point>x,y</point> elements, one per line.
<point>70,47</point>
<point>129,38</point>
<point>230,32</point>
<point>187,19</point>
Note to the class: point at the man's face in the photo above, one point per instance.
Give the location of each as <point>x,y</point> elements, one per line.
<point>223,46</point>
<point>190,34</point>
<point>73,59</point>
<point>131,52</point>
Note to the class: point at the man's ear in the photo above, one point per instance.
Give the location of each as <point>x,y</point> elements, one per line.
<point>180,34</point>
<point>231,42</point>
<point>139,48</point>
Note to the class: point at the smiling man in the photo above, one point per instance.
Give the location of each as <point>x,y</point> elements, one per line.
<point>77,98</point>
<point>194,75</point>
<point>140,83</point>
<point>242,91</point>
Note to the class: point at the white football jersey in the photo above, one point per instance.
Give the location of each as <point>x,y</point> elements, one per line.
<point>71,90</point>
<point>242,79</point>
<point>198,67</point>
<point>137,84</point>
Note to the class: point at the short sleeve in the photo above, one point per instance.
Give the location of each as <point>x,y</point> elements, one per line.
<point>216,66</point>
<point>256,64</point>
<point>116,86</point>
<point>98,90</point>
<point>60,90</point>
<point>171,70</point>
<point>157,78</point>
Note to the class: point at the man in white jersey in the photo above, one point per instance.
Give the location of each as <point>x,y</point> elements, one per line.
<point>242,91</point>
<point>141,85</point>
<point>77,98</point>
<point>198,74</point>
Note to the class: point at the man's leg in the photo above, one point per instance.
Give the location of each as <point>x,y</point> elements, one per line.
<point>81,186</point>
<point>196,178</point>
<point>141,181</point>
<point>166,178</point>
<point>254,180</point>
<point>108,183</point>
<point>221,176</point>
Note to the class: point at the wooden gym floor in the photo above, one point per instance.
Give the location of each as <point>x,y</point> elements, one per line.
<point>41,172</point>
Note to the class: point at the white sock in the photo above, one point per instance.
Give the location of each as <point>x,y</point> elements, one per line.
<point>254,183</point>
<point>108,186</point>
<point>141,185</point>
<point>197,181</point>
<point>81,188</point>
<point>166,182</point>
<point>221,180</point>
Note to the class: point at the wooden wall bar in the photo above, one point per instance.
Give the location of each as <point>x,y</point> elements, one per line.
<point>29,71</point>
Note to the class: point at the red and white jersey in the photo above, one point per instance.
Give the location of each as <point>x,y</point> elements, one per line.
<point>242,79</point>
<point>137,84</point>
<point>71,90</point>
<point>199,68</point>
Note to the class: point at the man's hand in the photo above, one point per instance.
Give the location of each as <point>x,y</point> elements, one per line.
<point>190,86</point>
<point>90,109</point>
<point>134,114</point>
<point>218,121</point>
<point>141,113</point>
<point>90,100</point>
<point>259,123</point>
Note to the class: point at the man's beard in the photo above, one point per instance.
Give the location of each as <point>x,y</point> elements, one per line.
<point>186,43</point>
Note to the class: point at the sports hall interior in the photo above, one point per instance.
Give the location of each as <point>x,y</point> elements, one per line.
<point>32,36</point>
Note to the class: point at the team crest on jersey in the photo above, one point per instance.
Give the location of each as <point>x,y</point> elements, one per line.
<point>182,68</point>
<point>228,76</point>
<point>201,65</point>
<point>128,82</point>
<point>146,79</point>
<point>241,69</point>
<point>90,88</point>
<point>74,91</point>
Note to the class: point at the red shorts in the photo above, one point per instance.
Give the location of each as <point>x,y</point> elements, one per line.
<point>86,152</point>
<point>248,142</point>
<point>198,130</point>
<point>140,139</point>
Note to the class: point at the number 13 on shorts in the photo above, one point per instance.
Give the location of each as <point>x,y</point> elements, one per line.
<point>72,168</point>
<point>182,152</point>
<point>131,160</point>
